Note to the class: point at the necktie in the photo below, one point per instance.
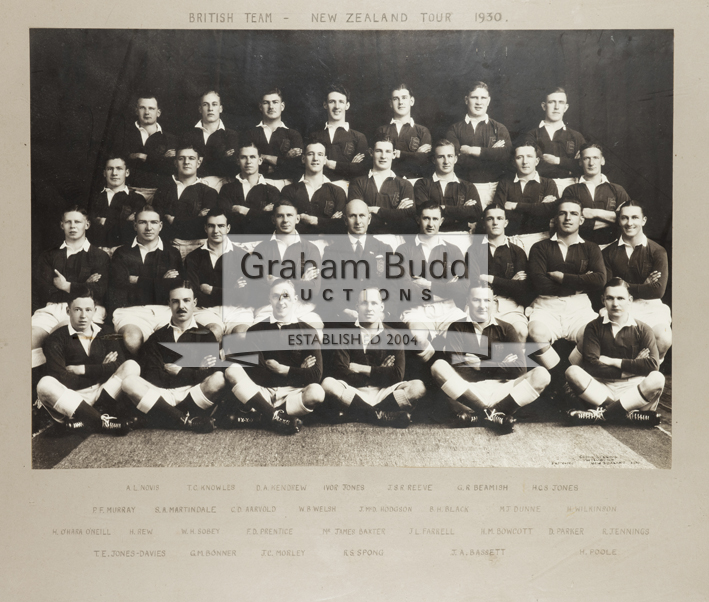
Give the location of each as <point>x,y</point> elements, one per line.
<point>359,250</point>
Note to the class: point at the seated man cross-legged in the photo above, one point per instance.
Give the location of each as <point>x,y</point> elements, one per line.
<point>617,380</point>
<point>85,370</point>
<point>170,395</point>
<point>368,377</point>
<point>481,388</point>
<point>285,384</point>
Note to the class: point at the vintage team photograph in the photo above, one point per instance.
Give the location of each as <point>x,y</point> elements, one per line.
<point>351,248</point>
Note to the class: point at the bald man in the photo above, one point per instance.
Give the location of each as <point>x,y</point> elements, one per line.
<point>361,248</point>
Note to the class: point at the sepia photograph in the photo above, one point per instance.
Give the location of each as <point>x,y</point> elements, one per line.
<point>354,302</point>
<point>329,248</point>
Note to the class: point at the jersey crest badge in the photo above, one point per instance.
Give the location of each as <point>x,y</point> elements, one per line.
<point>414,143</point>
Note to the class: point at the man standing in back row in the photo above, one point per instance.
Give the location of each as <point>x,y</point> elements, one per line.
<point>560,144</point>
<point>346,148</point>
<point>280,146</point>
<point>148,149</point>
<point>483,144</point>
<point>214,142</point>
<point>412,141</point>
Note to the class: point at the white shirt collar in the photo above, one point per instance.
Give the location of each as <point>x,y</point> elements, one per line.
<point>486,241</point>
<point>439,240</point>
<point>345,125</point>
<point>324,179</point>
<point>176,331</point>
<point>410,121</point>
<point>382,175</point>
<point>535,177</point>
<point>84,247</point>
<point>366,333</point>
<point>642,243</point>
<point>280,124</point>
<point>95,328</point>
<point>291,320</point>
<point>454,178</point>
<point>83,339</point>
<point>362,238</point>
<point>492,322</point>
<point>261,180</point>
<point>227,246</point>
<point>137,244</point>
<point>469,119</point>
<point>111,193</point>
<point>204,129</point>
<point>553,126</point>
<point>141,129</point>
<point>556,239</point>
<point>604,179</point>
<point>615,327</point>
<point>181,185</point>
<point>281,241</point>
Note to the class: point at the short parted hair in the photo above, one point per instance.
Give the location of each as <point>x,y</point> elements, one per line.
<point>248,143</point>
<point>149,208</point>
<point>493,205</point>
<point>281,202</point>
<point>210,91</point>
<point>475,85</point>
<point>569,199</point>
<point>616,282</point>
<point>523,143</point>
<point>478,283</point>
<point>428,205</point>
<point>81,291</point>
<point>178,283</point>
<point>339,88</point>
<point>590,145</point>
<point>76,209</point>
<point>442,142</point>
<point>632,203</point>
<point>187,145</point>
<point>557,90</point>
<point>115,155</point>
<point>382,137</point>
<point>272,91</point>
<point>146,95</point>
<point>310,141</point>
<point>278,281</point>
<point>215,212</point>
<point>402,86</point>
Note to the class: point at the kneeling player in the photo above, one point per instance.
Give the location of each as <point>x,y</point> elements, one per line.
<point>170,395</point>
<point>618,378</point>
<point>368,378</point>
<point>481,388</point>
<point>284,385</point>
<point>85,370</point>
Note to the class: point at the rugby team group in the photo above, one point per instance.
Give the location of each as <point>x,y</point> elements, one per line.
<point>332,279</point>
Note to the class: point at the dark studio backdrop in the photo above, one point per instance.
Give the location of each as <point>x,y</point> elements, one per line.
<point>83,84</point>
